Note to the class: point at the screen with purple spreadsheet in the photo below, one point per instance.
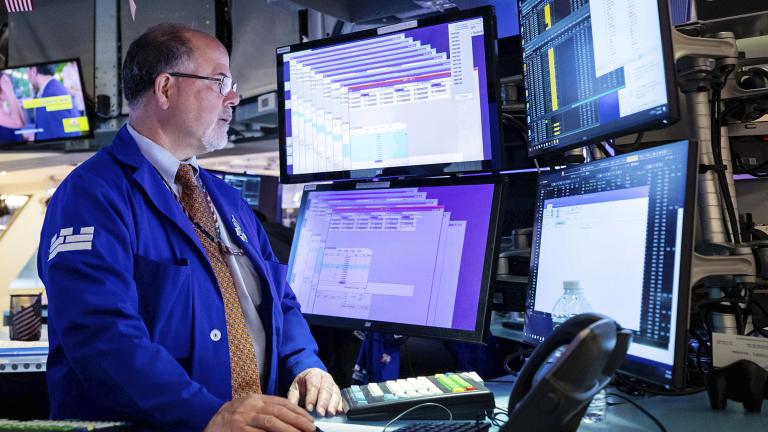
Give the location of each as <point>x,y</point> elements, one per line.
<point>411,259</point>
<point>414,94</point>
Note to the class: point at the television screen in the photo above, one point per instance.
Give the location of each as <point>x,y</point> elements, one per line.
<point>42,102</point>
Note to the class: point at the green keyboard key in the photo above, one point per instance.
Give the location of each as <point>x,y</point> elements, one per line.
<point>459,380</point>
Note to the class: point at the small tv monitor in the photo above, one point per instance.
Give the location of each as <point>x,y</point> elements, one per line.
<point>406,257</point>
<point>615,237</point>
<point>261,192</point>
<point>595,70</point>
<point>417,98</point>
<point>42,103</point>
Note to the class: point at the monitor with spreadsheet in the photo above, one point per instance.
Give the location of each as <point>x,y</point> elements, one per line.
<point>412,99</point>
<point>617,234</point>
<point>411,257</point>
<point>595,69</point>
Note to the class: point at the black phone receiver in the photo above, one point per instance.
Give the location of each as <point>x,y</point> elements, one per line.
<point>596,346</point>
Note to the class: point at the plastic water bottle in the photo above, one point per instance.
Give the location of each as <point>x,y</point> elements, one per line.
<point>596,409</point>
<point>573,302</point>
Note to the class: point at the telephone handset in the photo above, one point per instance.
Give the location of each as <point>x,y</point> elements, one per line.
<point>557,399</point>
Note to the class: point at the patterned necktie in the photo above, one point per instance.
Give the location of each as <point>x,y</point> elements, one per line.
<point>242,356</point>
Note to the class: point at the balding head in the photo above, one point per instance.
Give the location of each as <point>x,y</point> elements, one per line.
<point>179,86</point>
<point>161,48</point>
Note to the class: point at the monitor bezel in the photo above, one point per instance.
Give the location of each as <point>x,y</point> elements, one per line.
<point>678,380</point>
<point>673,114</point>
<point>487,13</point>
<point>482,320</point>
<point>46,144</point>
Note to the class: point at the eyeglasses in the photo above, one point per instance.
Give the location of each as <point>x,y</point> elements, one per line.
<point>225,83</point>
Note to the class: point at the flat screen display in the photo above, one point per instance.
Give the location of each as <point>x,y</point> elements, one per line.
<point>416,98</point>
<point>506,14</point>
<point>249,187</point>
<point>595,69</point>
<point>261,192</point>
<point>407,259</point>
<point>614,237</point>
<point>41,103</point>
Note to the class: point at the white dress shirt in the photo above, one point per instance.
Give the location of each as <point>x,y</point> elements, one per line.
<point>246,278</point>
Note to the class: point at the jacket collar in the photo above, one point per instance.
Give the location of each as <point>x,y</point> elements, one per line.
<point>225,199</point>
<point>126,151</point>
<point>164,162</point>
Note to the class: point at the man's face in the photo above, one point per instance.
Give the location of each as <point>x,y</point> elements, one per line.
<point>200,109</point>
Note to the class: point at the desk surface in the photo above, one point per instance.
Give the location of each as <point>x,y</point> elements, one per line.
<point>18,356</point>
<point>688,413</point>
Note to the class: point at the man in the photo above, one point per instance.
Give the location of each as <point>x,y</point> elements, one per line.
<point>50,123</point>
<point>165,298</point>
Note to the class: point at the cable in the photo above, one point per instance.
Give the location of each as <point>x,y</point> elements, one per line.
<point>494,416</point>
<point>450,414</point>
<point>520,126</point>
<point>717,155</point>
<point>643,410</point>
<point>520,353</point>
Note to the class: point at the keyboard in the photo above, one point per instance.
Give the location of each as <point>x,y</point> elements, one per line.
<point>62,425</point>
<point>445,427</point>
<point>462,393</point>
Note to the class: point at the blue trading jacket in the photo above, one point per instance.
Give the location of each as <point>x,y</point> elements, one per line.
<point>137,329</point>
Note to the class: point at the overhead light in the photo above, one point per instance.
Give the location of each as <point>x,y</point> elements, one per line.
<point>14,201</point>
<point>2,173</point>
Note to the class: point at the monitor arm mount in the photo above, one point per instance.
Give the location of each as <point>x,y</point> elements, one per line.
<point>705,67</point>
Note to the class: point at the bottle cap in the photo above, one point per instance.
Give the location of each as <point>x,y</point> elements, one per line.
<point>572,284</point>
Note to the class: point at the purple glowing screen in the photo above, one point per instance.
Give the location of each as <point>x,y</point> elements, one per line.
<point>411,255</point>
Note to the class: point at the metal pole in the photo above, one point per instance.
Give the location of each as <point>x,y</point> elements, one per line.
<point>709,205</point>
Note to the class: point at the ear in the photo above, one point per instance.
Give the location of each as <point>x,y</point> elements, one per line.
<point>162,92</point>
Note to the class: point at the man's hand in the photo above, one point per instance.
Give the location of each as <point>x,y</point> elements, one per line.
<point>315,389</point>
<point>261,413</point>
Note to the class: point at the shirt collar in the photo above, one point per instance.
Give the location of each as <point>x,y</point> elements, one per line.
<point>164,162</point>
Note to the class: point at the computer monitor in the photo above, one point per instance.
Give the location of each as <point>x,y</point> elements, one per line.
<point>261,192</point>
<point>506,14</point>
<point>41,103</point>
<point>417,98</point>
<point>410,257</point>
<point>620,229</point>
<point>595,69</point>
